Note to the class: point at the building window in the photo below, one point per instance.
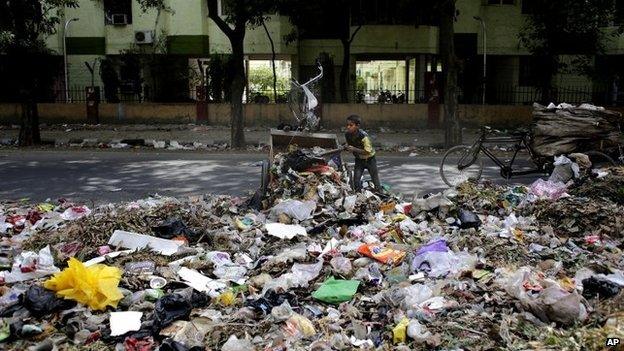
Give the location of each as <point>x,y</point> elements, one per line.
<point>500,2</point>
<point>528,75</point>
<point>118,12</point>
<point>381,81</point>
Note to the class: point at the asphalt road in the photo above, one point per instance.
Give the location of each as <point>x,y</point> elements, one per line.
<point>98,176</point>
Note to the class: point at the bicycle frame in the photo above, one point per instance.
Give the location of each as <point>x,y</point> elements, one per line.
<point>506,168</point>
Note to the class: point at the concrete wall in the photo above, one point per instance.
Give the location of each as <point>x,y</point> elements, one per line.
<point>494,115</point>
<point>392,116</point>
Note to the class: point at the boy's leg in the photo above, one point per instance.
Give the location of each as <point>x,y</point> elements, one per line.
<point>371,165</point>
<point>358,169</point>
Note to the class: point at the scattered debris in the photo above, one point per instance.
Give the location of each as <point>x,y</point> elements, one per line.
<point>319,267</point>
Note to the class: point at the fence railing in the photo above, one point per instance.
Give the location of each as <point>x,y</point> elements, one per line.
<point>502,95</point>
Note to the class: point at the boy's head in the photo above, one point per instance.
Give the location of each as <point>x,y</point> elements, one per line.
<point>353,123</point>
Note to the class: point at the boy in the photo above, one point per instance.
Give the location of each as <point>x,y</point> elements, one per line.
<point>360,144</point>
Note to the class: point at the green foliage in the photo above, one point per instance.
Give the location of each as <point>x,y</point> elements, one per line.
<point>567,27</point>
<point>153,4</point>
<point>251,12</point>
<point>23,23</point>
<point>261,79</point>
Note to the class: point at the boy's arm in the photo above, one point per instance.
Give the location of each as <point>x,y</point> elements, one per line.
<point>367,150</point>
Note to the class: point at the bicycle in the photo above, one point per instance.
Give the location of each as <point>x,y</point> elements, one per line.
<point>469,165</point>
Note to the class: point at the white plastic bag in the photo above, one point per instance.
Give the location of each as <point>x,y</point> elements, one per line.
<point>299,210</point>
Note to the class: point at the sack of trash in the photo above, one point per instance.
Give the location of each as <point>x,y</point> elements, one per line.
<point>565,128</point>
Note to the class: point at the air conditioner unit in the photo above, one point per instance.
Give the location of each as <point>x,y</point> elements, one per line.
<point>144,37</point>
<point>119,19</point>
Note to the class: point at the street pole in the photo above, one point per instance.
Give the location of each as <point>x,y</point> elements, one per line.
<point>65,57</point>
<point>484,56</point>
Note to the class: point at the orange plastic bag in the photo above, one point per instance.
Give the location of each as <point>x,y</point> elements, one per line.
<point>382,254</point>
<point>95,286</point>
<point>387,207</point>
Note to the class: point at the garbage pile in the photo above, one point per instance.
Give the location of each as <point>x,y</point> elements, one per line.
<point>565,128</point>
<point>319,267</point>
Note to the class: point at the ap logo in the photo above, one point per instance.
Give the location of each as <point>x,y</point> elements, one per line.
<point>613,341</point>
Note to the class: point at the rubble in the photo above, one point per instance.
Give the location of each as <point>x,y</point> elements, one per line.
<point>316,266</point>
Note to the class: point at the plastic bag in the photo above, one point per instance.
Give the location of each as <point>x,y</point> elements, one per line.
<point>548,189</point>
<point>341,265</point>
<point>468,219</point>
<point>174,227</point>
<point>282,312</point>
<point>564,170</point>
<point>30,265</point>
<point>76,212</point>
<point>95,286</point>
<point>382,254</point>
<point>438,263</point>
<point>336,291</point>
<point>349,203</point>
<point>557,305</point>
<point>434,246</point>
<point>415,295</point>
<point>597,286</point>
<point>300,276</point>
<point>41,302</point>
<point>300,326</point>
<point>399,332</point>
<point>294,209</point>
<point>417,331</point>
<point>170,308</point>
<point>270,300</point>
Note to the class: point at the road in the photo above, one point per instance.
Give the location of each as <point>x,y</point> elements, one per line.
<point>98,176</point>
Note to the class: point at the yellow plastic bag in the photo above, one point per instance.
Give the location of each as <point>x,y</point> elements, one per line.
<point>298,324</point>
<point>95,286</point>
<point>400,331</point>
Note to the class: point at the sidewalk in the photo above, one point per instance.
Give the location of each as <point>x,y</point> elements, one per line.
<point>92,135</point>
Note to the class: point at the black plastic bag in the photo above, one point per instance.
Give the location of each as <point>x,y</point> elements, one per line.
<point>594,286</point>
<point>171,308</point>
<point>41,302</point>
<point>468,220</point>
<point>271,299</point>
<point>174,227</point>
<point>299,161</point>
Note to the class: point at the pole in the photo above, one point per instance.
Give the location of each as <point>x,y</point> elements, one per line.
<point>65,57</point>
<point>484,59</point>
<point>484,34</point>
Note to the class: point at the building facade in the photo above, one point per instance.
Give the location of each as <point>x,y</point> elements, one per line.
<point>165,55</point>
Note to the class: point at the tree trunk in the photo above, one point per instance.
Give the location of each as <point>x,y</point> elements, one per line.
<point>344,71</point>
<point>452,131</point>
<point>29,129</point>
<point>549,64</point>
<point>238,87</point>
<point>272,61</point>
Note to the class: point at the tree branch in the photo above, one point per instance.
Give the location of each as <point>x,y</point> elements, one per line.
<point>354,33</point>
<point>213,14</point>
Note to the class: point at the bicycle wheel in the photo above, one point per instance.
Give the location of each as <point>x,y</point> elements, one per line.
<point>450,171</point>
<point>599,160</point>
